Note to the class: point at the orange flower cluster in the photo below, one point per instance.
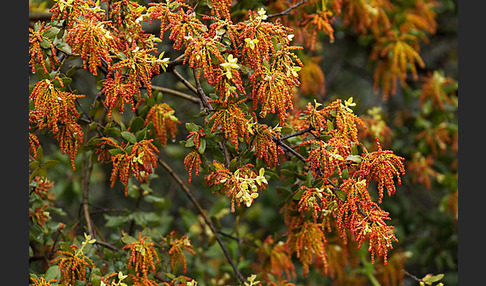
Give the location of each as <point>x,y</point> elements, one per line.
<point>273,90</point>
<point>73,264</point>
<point>308,241</point>
<point>382,166</point>
<point>323,162</point>
<point>315,200</point>
<point>405,52</point>
<point>314,23</point>
<point>264,146</point>
<point>139,159</point>
<point>176,247</point>
<point>422,169</point>
<point>259,38</point>
<point>55,109</point>
<point>39,215</point>
<point>142,256</point>
<point>433,89</point>
<point>183,24</point>
<point>346,122</point>
<point>33,144</point>
<point>364,219</point>
<point>41,281</point>
<point>118,92</point>
<point>202,53</point>
<point>231,121</point>
<point>192,162</point>
<point>134,70</point>
<point>368,16</point>
<point>275,259</point>
<point>70,11</point>
<point>92,40</point>
<point>162,116</point>
<point>40,45</point>
<point>242,186</point>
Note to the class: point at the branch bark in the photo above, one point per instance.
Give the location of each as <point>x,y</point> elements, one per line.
<point>201,211</point>
<point>86,169</point>
<point>287,11</point>
<point>176,93</point>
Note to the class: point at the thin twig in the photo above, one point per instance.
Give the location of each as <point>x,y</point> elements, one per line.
<point>201,211</point>
<point>176,93</point>
<point>412,276</point>
<point>40,16</point>
<point>184,81</point>
<point>204,99</point>
<point>86,174</point>
<point>201,93</point>
<point>297,133</point>
<point>172,64</point>
<point>286,12</point>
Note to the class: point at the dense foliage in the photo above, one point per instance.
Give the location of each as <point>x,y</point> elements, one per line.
<point>243,142</point>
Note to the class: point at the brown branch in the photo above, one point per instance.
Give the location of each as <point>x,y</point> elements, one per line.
<point>86,174</point>
<point>40,16</point>
<point>176,93</point>
<point>201,211</point>
<point>204,99</point>
<point>184,81</point>
<point>412,276</point>
<point>286,12</point>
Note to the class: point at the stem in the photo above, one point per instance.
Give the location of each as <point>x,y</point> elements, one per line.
<point>176,93</point>
<point>184,81</point>
<point>286,12</point>
<point>201,211</point>
<point>86,174</point>
<point>204,100</point>
<point>297,133</point>
<point>412,276</point>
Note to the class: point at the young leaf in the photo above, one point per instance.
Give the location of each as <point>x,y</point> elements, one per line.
<point>129,137</point>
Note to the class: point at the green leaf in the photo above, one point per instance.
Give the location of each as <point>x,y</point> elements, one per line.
<point>112,132</point>
<point>297,195</point>
<point>136,124</point>
<point>330,126</point>
<point>116,221</point>
<point>34,165</point>
<point>202,146</point>
<point>113,152</point>
<point>129,137</point>
<point>354,158</point>
<point>191,127</point>
<point>50,163</point>
<point>63,47</point>
<point>128,239</point>
<point>54,272</point>
<point>341,194</point>
<point>189,142</point>
<point>51,32</point>
<point>141,134</point>
<point>432,278</point>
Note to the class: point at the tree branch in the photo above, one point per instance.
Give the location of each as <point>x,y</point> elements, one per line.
<point>86,169</point>
<point>201,211</point>
<point>176,93</point>
<point>40,16</point>
<point>286,12</point>
<point>184,81</point>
